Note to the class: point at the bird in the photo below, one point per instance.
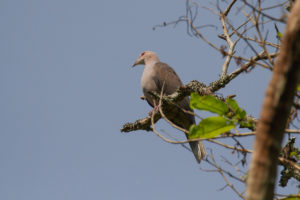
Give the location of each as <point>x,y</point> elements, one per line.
<point>158,76</point>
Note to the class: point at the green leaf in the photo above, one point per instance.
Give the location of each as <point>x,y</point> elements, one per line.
<point>295,155</point>
<point>247,124</point>
<point>238,113</point>
<point>233,104</point>
<point>208,103</point>
<point>243,114</point>
<point>298,88</point>
<point>210,127</point>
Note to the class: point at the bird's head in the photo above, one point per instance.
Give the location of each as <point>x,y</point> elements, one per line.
<point>146,57</point>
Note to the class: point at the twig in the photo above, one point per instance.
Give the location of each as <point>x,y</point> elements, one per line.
<point>160,135</point>
<point>213,164</point>
<point>228,39</point>
<point>292,131</point>
<point>282,20</point>
<point>262,42</point>
<point>251,63</point>
<point>235,167</point>
<point>230,147</point>
<point>229,7</point>
<point>164,116</point>
<point>226,180</point>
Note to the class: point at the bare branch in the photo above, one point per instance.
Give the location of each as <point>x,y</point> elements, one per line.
<point>229,7</point>
<point>226,180</point>
<point>228,39</point>
<point>230,147</point>
<point>281,20</point>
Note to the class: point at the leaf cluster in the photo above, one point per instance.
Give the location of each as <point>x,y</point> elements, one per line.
<point>229,116</point>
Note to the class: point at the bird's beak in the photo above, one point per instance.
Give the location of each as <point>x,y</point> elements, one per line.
<point>134,64</point>
<point>138,62</point>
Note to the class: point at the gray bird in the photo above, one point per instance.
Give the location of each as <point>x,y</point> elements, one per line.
<point>158,76</point>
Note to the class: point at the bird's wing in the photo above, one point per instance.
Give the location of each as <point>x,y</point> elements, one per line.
<point>160,76</point>
<point>165,75</point>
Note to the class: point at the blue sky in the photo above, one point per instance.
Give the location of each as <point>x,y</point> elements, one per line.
<point>67,87</point>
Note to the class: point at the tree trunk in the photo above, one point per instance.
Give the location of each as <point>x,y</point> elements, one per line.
<point>275,111</point>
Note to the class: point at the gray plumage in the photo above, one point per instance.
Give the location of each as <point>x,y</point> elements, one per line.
<point>158,75</point>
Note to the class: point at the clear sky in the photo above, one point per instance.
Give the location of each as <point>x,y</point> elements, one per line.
<point>67,87</point>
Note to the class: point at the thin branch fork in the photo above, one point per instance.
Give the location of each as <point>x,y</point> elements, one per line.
<point>223,170</point>
<point>229,54</point>
<point>256,24</point>
<point>226,179</point>
<point>262,42</point>
<point>230,44</point>
<point>282,20</point>
<point>227,38</point>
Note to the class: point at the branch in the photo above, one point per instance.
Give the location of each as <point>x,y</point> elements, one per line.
<point>170,100</point>
<point>225,178</point>
<point>229,7</point>
<point>227,38</point>
<point>141,124</point>
<point>230,147</point>
<point>214,164</point>
<point>145,123</point>
<point>288,158</point>
<point>292,169</point>
<point>282,20</point>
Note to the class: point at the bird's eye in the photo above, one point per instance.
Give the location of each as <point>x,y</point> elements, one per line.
<point>143,54</point>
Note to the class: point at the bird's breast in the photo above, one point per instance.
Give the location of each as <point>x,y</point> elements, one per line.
<point>147,81</point>
<point>148,84</point>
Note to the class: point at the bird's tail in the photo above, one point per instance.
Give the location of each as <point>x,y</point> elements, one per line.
<point>198,150</point>
<point>196,146</point>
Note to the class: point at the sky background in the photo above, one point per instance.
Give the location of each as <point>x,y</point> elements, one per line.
<point>67,87</point>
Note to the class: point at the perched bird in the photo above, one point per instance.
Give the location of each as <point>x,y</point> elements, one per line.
<point>159,76</point>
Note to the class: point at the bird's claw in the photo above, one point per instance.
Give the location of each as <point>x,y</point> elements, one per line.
<point>155,109</point>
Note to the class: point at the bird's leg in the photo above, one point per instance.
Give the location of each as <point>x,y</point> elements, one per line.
<point>155,109</point>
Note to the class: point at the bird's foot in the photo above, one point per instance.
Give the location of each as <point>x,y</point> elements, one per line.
<point>154,110</point>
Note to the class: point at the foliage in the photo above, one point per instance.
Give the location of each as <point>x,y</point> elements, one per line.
<point>230,115</point>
